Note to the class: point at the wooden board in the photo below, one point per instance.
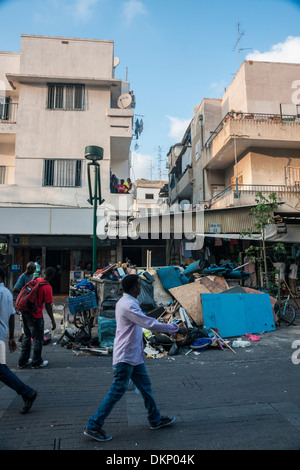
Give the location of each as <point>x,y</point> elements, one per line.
<point>219,280</point>
<point>188,297</point>
<point>211,285</point>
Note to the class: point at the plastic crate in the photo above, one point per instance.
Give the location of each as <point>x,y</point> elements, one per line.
<point>82,302</point>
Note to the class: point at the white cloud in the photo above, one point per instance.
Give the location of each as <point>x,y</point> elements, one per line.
<point>142,166</point>
<point>80,10</point>
<point>177,128</point>
<point>287,51</point>
<point>131,9</point>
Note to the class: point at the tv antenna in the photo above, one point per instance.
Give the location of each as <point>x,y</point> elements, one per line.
<point>237,44</point>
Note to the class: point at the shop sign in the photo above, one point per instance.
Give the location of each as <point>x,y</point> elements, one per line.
<point>215,228</point>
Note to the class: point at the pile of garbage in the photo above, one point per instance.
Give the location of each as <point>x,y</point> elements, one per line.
<point>195,297</point>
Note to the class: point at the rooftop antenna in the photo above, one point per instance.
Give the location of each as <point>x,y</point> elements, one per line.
<point>240,35</point>
<point>160,159</point>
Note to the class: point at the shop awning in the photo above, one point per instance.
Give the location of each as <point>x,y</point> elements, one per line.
<point>272,235</point>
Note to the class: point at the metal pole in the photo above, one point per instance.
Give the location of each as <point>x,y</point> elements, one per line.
<point>236,173</point>
<point>95,199</point>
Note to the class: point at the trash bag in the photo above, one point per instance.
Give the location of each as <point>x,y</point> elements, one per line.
<point>145,297</point>
<point>193,335</point>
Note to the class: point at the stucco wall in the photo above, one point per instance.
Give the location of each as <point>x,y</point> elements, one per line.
<point>66,57</point>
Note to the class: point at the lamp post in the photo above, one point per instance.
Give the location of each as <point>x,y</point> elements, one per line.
<point>94,154</point>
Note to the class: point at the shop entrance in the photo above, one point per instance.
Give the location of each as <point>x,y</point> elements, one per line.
<point>60,260</point>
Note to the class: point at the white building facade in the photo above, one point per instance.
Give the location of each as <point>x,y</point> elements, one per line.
<point>58,96</point>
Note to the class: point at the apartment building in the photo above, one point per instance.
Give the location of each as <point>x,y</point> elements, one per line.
<point>150,201</point>
<point>246,142</point>
<point>57,96</point>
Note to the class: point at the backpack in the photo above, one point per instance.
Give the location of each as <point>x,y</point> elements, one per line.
<point>27,298</point>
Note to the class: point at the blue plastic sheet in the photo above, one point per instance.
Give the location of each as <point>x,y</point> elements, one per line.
<point>106,331</point>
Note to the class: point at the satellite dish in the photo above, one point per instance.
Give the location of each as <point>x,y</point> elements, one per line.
<point>124,100</point>
<point>116,61</point>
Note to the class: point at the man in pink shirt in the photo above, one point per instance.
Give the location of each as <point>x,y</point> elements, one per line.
<point>128,360</point>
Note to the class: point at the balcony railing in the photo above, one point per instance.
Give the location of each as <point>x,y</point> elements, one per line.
<point>8,113</point>
<point>255,188</point>
<point>251,116</point>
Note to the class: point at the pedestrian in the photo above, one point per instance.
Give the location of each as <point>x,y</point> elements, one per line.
<point>23,279</point>
<point>34,324</point>
<point>280,266</point>
<point>128,360</point>
<point>38,267</point>
<point>7,324</point>
<point>293,277</point>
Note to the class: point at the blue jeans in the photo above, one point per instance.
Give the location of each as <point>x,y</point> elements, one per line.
<point>12,381</point>
<point>123,372</point>
<point>33,328</point>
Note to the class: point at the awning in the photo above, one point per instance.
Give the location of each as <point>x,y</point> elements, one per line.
<point>292,235</point>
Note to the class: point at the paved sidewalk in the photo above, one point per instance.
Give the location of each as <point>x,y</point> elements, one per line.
<point>221,400</point>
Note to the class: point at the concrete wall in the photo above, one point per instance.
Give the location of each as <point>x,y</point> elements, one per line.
<point>66,57</point>
<point>258,87</point>
<point>41,133</point>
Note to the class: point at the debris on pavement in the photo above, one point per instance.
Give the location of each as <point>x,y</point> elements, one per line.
<point>192,297</point>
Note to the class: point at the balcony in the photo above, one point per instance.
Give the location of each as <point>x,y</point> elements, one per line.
<point>8,117</point>
<point>288,196</point>
<point>239,131</point>
<point>184,186</point>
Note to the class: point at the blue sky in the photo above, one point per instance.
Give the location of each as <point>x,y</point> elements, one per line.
<point>177,51</point>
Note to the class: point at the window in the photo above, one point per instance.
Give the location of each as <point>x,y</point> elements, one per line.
<point>292,176</point>
<point>2,174</point>
<point>63,173</point>
<point>66,96</point>
<point>149,196</point>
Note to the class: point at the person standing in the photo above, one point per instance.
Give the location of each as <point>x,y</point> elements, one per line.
<point>128,360</point>
<point>280,266</point>
<point>34,324</point>
<point>38,267</point>
<point>7,324</point>
<point>293,277</point>
<point>23,279</point>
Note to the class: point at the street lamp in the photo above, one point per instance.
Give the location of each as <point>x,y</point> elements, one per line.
<point>94,154</point>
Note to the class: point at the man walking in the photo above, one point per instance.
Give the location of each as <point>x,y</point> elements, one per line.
<point>7,323</point>
<point>34,324</point>
<point>128,360</point>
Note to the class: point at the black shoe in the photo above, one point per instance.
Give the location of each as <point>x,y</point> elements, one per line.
<point>28,363</point>
<point>99,435</point>
<point>164,421</point>
<point>28,403</point>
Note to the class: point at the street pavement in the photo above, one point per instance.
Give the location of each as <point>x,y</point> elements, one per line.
<point>222,401</point>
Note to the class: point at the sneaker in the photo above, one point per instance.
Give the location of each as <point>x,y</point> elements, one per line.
<point>99,435</point>
<point>25,365</point>
<point>43,364</point>
<point>28,403</point>
<point>164,421</point>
